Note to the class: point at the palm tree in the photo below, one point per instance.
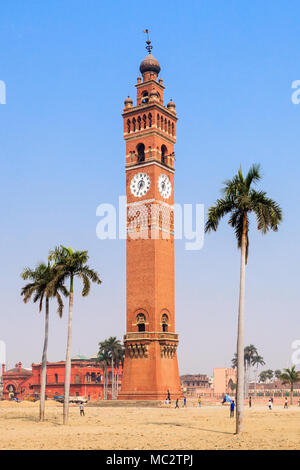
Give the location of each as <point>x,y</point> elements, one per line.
<point>40,278</point>
<point>113,346</point>
<point>257,361</point>
<point>103,359</point>
<point>290,376</point>
<point>240,199</point>
<point>251,352</point>
<point>70,264</point>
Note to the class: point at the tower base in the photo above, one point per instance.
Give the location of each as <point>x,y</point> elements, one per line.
<point>150,367</point>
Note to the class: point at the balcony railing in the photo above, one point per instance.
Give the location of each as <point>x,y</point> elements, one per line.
<point>151,336</point>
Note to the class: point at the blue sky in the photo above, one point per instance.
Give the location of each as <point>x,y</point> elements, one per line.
<point>68,65</point>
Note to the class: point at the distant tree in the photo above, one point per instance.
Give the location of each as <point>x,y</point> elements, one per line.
<point>239,201</point>
<point>290,376</point>
<point>277,373</point>
<point>39,288</point>
<point>270,374</point>
<point>263,376</point>
<point>257,361</point>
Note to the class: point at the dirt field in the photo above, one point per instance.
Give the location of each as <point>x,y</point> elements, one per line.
<point>147,428</point>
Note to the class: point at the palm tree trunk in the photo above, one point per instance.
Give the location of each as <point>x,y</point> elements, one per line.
<point>255,380</point>
<point>292,391</point>
<point>68,357</point>
<point>44,364</point>
<point>240,337</point>
<point>112,377</point>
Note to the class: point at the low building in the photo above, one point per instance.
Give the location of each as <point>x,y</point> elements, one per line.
<point>225,379</point>
<point>16,382</point>
<point>87,380</point>
<point>196,384</point>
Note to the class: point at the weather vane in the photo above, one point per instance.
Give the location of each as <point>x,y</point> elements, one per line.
<point>148,42</point>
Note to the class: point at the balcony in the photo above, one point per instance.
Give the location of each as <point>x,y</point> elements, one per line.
<point>151,336</point>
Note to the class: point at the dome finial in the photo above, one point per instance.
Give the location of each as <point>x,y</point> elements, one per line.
<point>149,47</point>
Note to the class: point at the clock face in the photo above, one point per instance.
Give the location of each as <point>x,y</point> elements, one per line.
<point>164,186</point>
<point>140,184</point>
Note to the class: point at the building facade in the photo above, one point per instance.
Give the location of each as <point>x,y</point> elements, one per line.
<point>196,384</point>
<point>225,379</point>
<point>150,366</point>
<point>87,380</point>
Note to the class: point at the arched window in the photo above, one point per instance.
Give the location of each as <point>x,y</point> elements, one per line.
<point>169,127</point>
<point>162,123</point>
<point>141,320</point>
<point>141,152</point>
<point>139,123</point>
<point>165,125</point>
<point>145,121</point>
<point>164,321</point>
<point>150,119</point>
<point>133,124</point>
<point>158,121</point>
<point>172,128</point>
<point>145,97</point>
<point>163,153</point>
<point>128,125</point>
<point>56,378</point>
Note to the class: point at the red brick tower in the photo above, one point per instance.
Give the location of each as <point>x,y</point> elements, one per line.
<point>150,367</point>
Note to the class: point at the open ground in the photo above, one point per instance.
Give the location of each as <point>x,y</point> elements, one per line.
<point>138,428</point>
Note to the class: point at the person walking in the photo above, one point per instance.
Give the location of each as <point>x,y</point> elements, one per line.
<point>184,402</point>
<point>270,404</point>
<point>232,405</point>
<point>81,408</point>
<point>176,404</point>
<point>250,401</point>
<point>199,402</point>
<point>286,403</point>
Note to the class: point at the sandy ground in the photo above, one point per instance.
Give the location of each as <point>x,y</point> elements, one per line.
<point>147,428</point>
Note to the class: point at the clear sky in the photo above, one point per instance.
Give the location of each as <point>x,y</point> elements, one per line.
<point>228,65</point>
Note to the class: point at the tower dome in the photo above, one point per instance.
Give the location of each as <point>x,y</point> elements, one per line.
<point>150,64</point>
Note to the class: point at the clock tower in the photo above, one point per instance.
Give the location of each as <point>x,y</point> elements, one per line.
<point>150,365</point>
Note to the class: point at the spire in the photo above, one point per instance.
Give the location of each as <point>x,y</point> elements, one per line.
<point>149,47</point>
<point>149,64</point>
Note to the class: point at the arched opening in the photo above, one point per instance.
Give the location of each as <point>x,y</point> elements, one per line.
<point>141,152</point>
<point>164,151</point>
<point>133,124</point>
<point>144,121</point>
<point>145,97</point>
<point>139,123</point>
<point>128,126</point>
<point>169,127</point>
<point>158,121</point>
<point>141,320</point>
<point>56,378</point>
<point>173,128</point>
<point>164,321</point>
<point>11,391</point>
<point>150,119</point>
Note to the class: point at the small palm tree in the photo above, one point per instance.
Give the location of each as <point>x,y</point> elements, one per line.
<point>112,346</point>
<point>103,360</point>
<point>290,376</point>
<point>257,361</point>
<point>70,264</point>
<point>240,200</point>
<point>41,278</point>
